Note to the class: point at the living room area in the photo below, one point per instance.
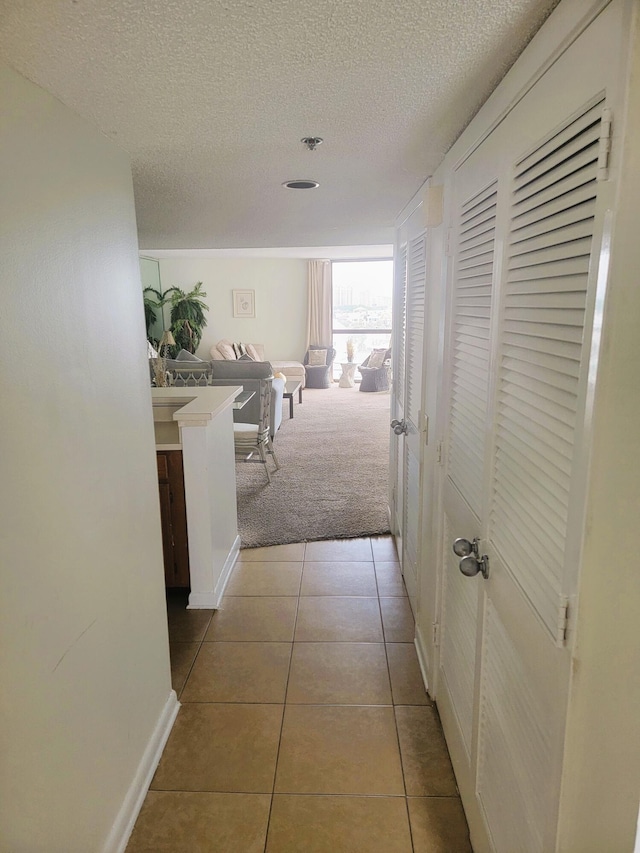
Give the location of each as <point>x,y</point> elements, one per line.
<point>328,475</point>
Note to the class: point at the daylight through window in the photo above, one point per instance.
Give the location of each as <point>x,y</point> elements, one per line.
<point>362,298</point>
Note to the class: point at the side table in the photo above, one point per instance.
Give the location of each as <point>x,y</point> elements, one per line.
<point>347,379</point>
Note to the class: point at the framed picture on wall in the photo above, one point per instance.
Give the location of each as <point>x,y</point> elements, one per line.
<point>244,303</point>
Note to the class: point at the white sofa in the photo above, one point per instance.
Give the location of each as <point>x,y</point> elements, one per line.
<point>224,351</point>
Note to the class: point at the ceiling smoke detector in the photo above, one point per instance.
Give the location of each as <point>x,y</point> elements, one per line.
<point>311,142</point>
<point>301,184</point>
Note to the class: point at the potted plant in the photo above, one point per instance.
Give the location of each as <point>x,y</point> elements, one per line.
<point>187,319</point>
<point>350,350</point>
<point>153,300</point>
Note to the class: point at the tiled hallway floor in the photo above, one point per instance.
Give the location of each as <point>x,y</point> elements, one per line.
<point>304,725</point>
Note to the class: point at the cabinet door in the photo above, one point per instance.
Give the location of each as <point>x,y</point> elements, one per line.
<point>173,518</point>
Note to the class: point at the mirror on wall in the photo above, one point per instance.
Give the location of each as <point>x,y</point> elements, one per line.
<point>154,316</point>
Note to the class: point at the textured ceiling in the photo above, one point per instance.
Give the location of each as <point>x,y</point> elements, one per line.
<point>211,97</point>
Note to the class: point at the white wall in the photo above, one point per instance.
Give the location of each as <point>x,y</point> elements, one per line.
<point>83,636</point>
<point>280,286</point>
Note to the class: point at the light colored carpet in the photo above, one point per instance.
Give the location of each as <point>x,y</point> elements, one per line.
<point>334,472</point>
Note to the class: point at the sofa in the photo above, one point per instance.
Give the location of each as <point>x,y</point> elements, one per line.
<point>227,351</point>
<point>188,371</point>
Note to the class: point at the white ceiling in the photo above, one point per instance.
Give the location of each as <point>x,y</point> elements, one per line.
<point>211,97</point>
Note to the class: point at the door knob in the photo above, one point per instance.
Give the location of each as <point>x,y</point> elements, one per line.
<point>399,427</point>
<point>471,565</point>
<point>463,548</point>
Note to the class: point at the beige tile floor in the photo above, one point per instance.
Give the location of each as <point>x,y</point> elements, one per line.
<point>304,725</point>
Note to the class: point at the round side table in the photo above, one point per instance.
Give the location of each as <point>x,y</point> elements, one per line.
<point>347,379</point>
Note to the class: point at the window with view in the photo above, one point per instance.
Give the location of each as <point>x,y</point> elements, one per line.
<point>362,298</point>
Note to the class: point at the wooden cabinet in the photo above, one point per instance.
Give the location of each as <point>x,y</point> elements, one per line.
<point>174,518</point>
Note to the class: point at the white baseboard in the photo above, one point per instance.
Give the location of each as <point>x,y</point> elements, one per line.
<point>422,657</point>
<point>128,814</point>
<point>212,600</point>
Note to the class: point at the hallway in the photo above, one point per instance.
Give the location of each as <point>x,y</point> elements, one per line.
<point>304,723</point>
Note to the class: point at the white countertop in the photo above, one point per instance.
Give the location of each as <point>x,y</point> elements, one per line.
<point>200,405</point>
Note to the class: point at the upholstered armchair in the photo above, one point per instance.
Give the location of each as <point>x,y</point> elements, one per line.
<point>318,364</point>
<point>376,376</point>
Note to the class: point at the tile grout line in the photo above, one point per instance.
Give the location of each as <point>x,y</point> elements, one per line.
<point>284,708</point>
<point>193,662</point>
<point>395,719</point>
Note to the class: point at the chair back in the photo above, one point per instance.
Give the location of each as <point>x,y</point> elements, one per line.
<point>331,354</point>
<point>387,357</point>
<point>255,376</point>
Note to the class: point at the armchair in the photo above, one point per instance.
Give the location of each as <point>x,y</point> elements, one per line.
<point>318,375</point>
<point>375,378</point>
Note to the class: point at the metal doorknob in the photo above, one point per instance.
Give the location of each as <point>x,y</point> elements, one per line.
<point>462,547</point>
<point>470,566</point>
<point>399,427</point>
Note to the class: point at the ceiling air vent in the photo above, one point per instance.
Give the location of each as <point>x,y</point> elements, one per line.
<point>301,185</point>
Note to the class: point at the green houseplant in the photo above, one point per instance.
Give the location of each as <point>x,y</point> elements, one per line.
<point>153,301</point>
<point>187,319</point>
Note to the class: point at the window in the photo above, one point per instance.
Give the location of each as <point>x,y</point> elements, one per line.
<point>362,298</point>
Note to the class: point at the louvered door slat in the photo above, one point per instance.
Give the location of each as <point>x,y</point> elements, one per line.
<point>547,549</point>
<point>533,299</point>
<point>482,213</point>
<point>584,140</point>
<point>559,220</point>
<point>471,324</point>
<point>576,180</point>
<point>537,445</point>
<point>547,396</point>
<point>416,286</point>
<point>480,241</point>
<point>544,360</point>
<point>401,323</point>
<point>542,212</point>
<point>532,271</point>
<point>538,234</point>
<point>555,480</point>
<point>559,348</point>
<point>568,249</point>
<point>550,242</point>
<point>548,331</point>
<point>472,259</point>
<point>561,139</point>
<point>559,174</point>
<point>477,373</point>
<point>547,503</point>
<point>539,418</point>
<point>514,460</point>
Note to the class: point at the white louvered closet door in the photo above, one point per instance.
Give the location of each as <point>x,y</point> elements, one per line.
<point>397,388</point>
<point>518,354</point>
<point>409,320</point>
<point>414,348</point>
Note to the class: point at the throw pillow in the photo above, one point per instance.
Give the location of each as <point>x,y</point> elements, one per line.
<point>246,357</point>
<point>185,355</point>
<point>226,349</point>
<point>239,349</point>
<point>317,357</point>
<point>253,352</point>
<point>376,359</point>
